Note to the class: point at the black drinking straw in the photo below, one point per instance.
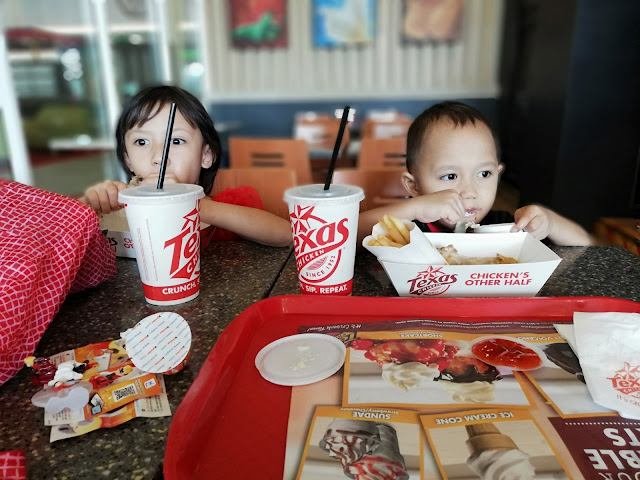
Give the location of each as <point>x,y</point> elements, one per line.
<point>167,145</point>
<point>336,148</point>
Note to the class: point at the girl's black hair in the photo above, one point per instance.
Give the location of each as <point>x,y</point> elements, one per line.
<point>148,102</point>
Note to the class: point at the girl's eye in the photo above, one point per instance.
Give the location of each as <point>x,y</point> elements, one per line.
<point>177,141</point>
<point>141,142</point>
<point>485,174</point>
<point>448,177</point>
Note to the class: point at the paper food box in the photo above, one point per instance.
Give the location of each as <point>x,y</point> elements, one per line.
<point>116,229</point>
<point>434,278</point>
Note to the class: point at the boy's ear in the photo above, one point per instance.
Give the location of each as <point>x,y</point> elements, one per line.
<point>500,168</point>
<point>410,185</point>
<point>207,157</point>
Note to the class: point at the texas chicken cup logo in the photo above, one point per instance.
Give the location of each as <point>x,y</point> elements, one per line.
<point>627,380</point>
<point>185,255</point>
<point>317,243</point>
<point>432,281</point>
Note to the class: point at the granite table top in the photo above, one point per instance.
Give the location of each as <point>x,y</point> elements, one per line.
<point>583,272</point>
<point>234,276</point>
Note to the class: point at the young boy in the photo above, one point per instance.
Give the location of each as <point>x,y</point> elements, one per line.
<point>452,176</point>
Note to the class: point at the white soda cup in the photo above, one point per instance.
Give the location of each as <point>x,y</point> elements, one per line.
<point>324,224</point>
<point>165,230</point>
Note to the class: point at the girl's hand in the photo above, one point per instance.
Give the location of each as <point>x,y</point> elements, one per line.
<point>103,197</point>
<point>533,219</point>
<point>445,205</point>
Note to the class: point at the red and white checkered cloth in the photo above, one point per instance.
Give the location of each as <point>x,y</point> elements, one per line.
<point>13,465</point>
<point>50,245</point>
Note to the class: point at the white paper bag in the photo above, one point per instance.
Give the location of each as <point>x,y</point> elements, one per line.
<point>609,352</point>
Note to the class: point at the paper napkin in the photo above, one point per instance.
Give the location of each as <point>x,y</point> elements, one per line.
<point>609,352</point>
<point>419,250</point>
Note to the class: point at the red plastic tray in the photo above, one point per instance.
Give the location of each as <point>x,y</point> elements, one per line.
<point>233,424</point>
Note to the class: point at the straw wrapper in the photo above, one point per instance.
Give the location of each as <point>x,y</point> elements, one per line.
<point>609,352</point>
<point>419,250</point>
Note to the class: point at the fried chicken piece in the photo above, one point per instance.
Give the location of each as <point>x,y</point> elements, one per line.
<point>452,257</point>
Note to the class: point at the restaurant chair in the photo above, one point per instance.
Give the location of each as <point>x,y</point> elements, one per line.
<point>382,153</point>
<point>392,125</point>
<point>320,132</point>
<point>269,182</point>
<point>381,186</point>
<point>245,152</point>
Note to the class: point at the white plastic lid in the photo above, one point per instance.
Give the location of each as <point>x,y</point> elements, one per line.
<point>315,194</point>
<point>496,228</point>
<point>158,343</point>
<point>170,193</point>
<point>301,359</point>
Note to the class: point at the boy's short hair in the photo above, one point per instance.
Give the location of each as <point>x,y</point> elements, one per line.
<point>148,102</point>
<point>455,112</point>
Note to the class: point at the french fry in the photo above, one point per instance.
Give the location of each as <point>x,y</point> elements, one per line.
<point>397,233</point>
<point>385,242</point>
<point>402,228</point>
<point>392,230</point>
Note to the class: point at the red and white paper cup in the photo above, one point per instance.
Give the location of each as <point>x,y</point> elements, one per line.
<point>324,224</point>
<point>165,230</point>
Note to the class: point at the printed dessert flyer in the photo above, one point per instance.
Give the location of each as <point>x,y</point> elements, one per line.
<point>420,368</point>
<point>362,443</point>
<point>602,447</point>
<point>491,444</point>
<point>530,335</point>
<point>561,382</point>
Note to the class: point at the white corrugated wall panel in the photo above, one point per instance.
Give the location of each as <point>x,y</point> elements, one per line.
<point>385,68</point>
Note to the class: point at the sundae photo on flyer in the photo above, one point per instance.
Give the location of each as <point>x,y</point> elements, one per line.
<point>362,444</point>
<point>426,368</point>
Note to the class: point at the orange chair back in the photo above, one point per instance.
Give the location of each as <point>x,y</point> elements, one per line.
<point>381,186</point>
<point>392,129</point>
<point>320,132</point>
<point>271,153</point>
<point>382,153</point>
<point>269,182</point>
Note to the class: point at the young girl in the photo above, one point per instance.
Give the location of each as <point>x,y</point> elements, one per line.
<point>194,158</point>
